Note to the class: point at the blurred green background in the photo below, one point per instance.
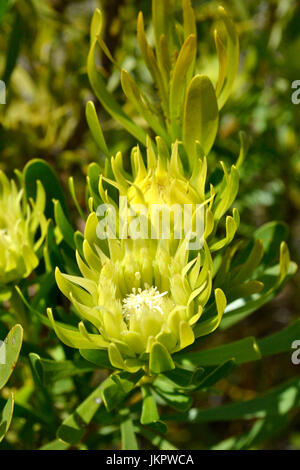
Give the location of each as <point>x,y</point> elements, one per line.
<point>43,51</point>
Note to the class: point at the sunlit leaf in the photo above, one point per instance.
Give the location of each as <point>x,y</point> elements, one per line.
<point>74,427</point>
<point>9,351</point>
<point>201,116</point>
<point>95,127</point>
<point>182,69</point>
<point>149,408</point>
<point>244,350</point>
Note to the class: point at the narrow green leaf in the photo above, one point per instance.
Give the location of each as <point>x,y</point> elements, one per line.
<point>182,69</point>
<point>97,356</point>
<point>129,441</point>
<point>115,357</point>
<point>6,416</point>
<point>211,377</point>
<point>171,395</point>
<point>37,373</point>
<point>43,398</point>
<point>162,16</point>
<point>156,440</point>
<point>9,351</point>
<point>78,240</point>
<point>74,197</point>
<point>244,145</point>
<point>281,341</point>
<point>271,234</point>
<point>74,338</point>
<point>242,351</point>
<point>117,387</point>
<point>230,62</point>
<point>64,225</point>
<point>222,57</point>
<point>261,430</point>
<point>99,87</point>
<point>3,7</point>
<point>227,191</point>
<point>245,271</point>
<point>52,371</point>
<point>189,20</point>
<point>246,289</point>
<point>55,445</point>
<point>74,427</point>
<point>154,69</point>
<point>201,117</point>
<point>231,228</point>
<point>277,401</point>
<point>95,127</point>
<point>180,376</point>
<point>27,412</point>
<point>211,324</point>
<point>40,170</point>
<point>149,409</point>
<point>14,46</point>
<point>94,172</point>
<point>284,261</point>
<point>159,427</point>
<point>241,308</point>
<point>141,105</point>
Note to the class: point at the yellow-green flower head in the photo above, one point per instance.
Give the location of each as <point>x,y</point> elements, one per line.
<point>19,223</point>
<point>158,188</point>
<point>144,299</point>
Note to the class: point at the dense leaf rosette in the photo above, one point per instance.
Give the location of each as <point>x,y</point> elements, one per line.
<point>186,104</point>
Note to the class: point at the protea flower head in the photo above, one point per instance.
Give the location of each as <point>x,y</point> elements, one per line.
<point>160,185</point>
<point>144,300</point>
<point>163,182</point>
<point>19,223</point>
